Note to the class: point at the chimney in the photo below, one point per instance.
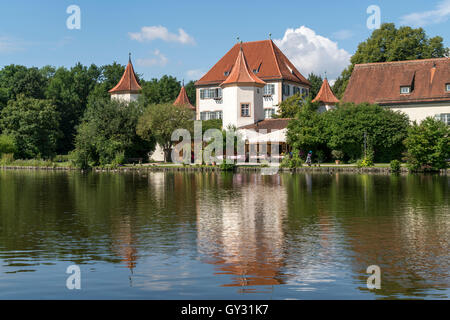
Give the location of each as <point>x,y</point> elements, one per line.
<point>432,72</point>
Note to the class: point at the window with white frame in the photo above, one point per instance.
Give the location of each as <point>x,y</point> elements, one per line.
<point>268,113</point>
<point>447,87</point>
<point>269,89</point>
<point>211,115</point>
<point>214,93</point>
<point>444,117</point>
<point>405,90</point>
<point>245,110</point>
<point>296,90</point>
<point>286,89</point>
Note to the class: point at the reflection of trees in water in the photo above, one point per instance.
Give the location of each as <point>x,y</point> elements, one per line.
<point>260,230</point>
<point>400,223</point>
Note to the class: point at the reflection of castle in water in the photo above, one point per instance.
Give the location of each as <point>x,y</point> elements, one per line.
<point>241,233</point>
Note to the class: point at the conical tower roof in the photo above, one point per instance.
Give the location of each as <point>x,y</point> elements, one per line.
<point>325,94</point>
<point>183,99</point>
<point>241,74</point>
<point>128,83</point>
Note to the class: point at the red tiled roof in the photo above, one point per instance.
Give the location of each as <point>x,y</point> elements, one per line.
<point>264,56</point>
<point>183,99</point>
<point>241,74</point>
<point>128,83</point>
<point>269,124</point>
<point>325,94</point>
<point>380,82</point>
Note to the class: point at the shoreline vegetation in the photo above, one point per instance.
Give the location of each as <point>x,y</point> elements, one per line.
<point>379,168</point>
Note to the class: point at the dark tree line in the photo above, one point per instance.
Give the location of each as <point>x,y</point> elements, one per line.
<point>63,95</point>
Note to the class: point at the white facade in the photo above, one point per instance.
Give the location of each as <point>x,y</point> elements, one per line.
<point>125,97</point>
<point>272,95</point>
<point>234,97</point>
<point>418,112</point>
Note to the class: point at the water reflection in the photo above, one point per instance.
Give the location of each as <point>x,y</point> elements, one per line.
<point>179,234</point>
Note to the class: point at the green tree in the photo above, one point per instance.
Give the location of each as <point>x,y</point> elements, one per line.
<point>306,132</point>
<point>7,144</point>
<point>349,125</point>
<point>33,124</point>
<point>316,84</point>
<point>108,131</point>
<point>290,107</point>
<point>191,92</point>
<point>164,90</point>
<point>16,80</point>
<point>428,145</point>
<point>159,121</point>
<point>69,91</point>
<point>391,44</point>
<point>110,76</point>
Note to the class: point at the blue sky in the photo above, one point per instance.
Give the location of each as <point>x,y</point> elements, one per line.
<point>318,36</point>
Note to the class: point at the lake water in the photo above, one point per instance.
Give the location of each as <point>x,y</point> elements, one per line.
<point>223,236</point>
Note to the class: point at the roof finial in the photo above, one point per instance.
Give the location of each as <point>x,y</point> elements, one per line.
<point>183,82</point>
<point>238,39</point>
<point>270,36</point>
<point>129,56</point>
<point>325,74</point>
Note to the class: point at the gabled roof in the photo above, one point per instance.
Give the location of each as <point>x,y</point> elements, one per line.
<point>240,74</point>
<point>264,57</point>
<point>380,82</point>
<point>183,99</point>
<point>128,83</point>
<point>325,94</point>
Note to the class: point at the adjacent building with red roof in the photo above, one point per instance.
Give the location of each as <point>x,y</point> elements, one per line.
<point>419,88</point>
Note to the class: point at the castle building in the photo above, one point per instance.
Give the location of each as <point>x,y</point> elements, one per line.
<point>247,84</point>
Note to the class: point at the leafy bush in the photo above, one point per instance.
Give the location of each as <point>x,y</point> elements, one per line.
<point>365,162</point>
<point>292,163</point>
<point>428,146</point>
<point>119,159</point>
<point>7,144</point>
<point>227,166</point>
<point>395,166</point>
<point>337,154</point>
<point>7,158</point>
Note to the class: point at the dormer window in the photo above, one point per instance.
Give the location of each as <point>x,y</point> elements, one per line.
<point>226,73</point>
<point>447,87</point>
<point>405,90</point>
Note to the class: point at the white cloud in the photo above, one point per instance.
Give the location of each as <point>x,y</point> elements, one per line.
<point>195,74</point>
<point>7,45</point>
<point>310,52</point>
<point>419,19</point>
<point>158,59</point>
<point>160,32</point>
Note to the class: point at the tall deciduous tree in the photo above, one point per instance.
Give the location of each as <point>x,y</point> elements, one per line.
<point>316,83</point>
<point>164,90</point>
<point>161,120</point>
<point>34,125</point>
<point>69,91</point>
<point>391,44</point>
<point>108,129</point>
<point>290,107</point>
